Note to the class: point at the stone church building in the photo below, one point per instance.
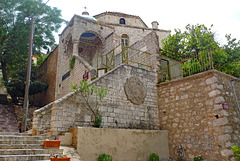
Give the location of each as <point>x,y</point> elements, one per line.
<point>120,52</point>
<point>99,44</point>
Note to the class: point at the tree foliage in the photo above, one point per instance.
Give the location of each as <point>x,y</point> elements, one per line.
<point>198,39</point>
<point>15,17</point>
<point>86,91</point>
<point>228,59</point>
<point>236,152</point>
<point>183,45</point>
<point>17,83</point>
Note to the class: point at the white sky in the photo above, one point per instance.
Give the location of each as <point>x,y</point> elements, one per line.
<point>170,14</point>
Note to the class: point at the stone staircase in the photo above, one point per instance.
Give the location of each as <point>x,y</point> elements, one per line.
<point>8,122</point>
<point>23,147</point>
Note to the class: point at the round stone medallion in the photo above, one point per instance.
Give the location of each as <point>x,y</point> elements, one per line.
<point>135,90</point>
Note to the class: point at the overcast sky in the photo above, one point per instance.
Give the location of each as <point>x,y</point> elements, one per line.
<point>170,14</point>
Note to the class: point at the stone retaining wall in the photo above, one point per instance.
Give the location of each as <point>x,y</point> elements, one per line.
<point>191,109</point>
<point>117,110</point>
<point>122,144</point>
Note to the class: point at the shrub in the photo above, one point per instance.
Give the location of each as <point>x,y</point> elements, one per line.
<point>105,157</point>
<point>72,62</point>
<point>154,157</point>
<point>236,152</point>
<point>98,121</point>
<point>197,158</point>
<point>180,159</point>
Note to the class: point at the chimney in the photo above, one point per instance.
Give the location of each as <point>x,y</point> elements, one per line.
<point>155,25</point>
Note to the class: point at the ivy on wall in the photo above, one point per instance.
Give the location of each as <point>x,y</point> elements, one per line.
<point>72,62</point>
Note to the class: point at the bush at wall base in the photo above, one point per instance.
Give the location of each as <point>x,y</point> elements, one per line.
<point>105,157</point>
<point>236,152</point>
<point>197,158</point>
<point>154,157</point>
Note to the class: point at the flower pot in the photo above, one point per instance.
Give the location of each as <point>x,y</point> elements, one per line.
<point>61,159</point>
<point>51,144</point>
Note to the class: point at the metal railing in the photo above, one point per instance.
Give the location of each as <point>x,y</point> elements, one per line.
<point>196,64</point>
<point>127,55</point>
<point>136,57</point>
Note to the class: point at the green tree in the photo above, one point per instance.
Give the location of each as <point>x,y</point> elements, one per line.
<point>17,83</point>
<point>182,45</point>
<point>200,39</point>
<point>86,91</point>
<point>228,59</point>
<point>236,152</point>
<point>15,19</point>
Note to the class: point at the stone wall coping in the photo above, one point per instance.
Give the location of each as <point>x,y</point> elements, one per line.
<point>85,63</point>
<point>116,129</point>
<point>212,71</point>
<point>93,72</point>
<point>44,108</point>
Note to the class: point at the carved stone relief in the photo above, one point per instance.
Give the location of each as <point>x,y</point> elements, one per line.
<point>135,90</point>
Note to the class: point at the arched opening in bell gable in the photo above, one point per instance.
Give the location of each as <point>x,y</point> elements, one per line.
<point>90,47</point>
<point>68,44</point>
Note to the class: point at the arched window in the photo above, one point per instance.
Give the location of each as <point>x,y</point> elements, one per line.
<point>122,21</point>
<point>125,40</point>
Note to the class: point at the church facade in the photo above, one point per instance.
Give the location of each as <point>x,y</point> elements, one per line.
<point>118,51</point>
<point>96,45</point>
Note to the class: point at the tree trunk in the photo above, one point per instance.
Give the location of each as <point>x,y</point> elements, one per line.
<point>5,79</point>
<point>201,63</point>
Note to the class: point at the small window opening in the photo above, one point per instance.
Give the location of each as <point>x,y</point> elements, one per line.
<point>122,21</point>
<point>125,40</point>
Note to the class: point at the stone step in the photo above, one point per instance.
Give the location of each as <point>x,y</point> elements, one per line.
<point>15,133</point>
<point>21,146</point>
<point>13,141</point>
<point>19,137</point>
<point>30,151</point>
<point>24,157</point>
<point>9,130</point>
<point>8,121</point>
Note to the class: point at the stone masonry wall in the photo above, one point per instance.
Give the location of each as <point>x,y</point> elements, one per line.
<point>117,110</point>
<point>76,74</point>
<point>49,70</point>
<point>147,44</point>
<point>191,109</point>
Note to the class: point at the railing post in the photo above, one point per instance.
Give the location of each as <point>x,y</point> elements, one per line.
<point>107,62</point>
<point>211,59</point>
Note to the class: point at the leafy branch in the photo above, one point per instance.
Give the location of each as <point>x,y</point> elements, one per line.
<point>86,91</point>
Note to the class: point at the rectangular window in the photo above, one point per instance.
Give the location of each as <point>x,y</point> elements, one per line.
<point>66,75</point>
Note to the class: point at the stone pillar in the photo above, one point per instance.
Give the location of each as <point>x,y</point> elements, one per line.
<point>75,47</point>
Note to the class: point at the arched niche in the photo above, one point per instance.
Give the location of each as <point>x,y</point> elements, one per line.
<point>90,47</point>
<point>68,45</point>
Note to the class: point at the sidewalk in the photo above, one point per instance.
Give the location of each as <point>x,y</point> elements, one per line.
<point>70,151</point>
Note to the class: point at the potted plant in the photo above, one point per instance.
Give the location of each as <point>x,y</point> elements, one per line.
<point>51,144</point>
<point>56,157</point>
